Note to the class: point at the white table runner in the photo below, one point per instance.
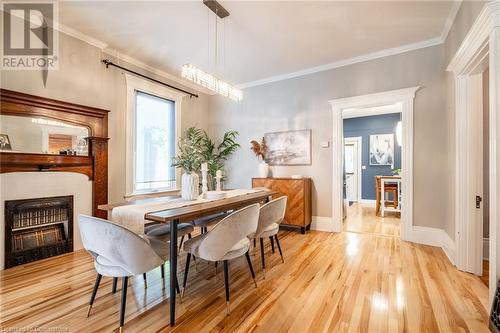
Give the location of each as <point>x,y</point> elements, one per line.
<point>132,216</point>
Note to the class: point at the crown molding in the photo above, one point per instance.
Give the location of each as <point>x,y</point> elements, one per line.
<point>455,7</point>
<point>477,38</point>
<point>81,36</point>
<point>124,57</point>
<point>369,56</point>
<point>171,77</point>
<point>346,62</point>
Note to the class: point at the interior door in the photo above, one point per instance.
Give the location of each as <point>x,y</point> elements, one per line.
<point>351,170</point>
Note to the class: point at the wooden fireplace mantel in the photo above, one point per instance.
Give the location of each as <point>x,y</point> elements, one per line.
<point>26,162</point>
<point>95,166</point>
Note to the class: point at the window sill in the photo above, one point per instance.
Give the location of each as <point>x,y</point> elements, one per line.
<point>145,195</point>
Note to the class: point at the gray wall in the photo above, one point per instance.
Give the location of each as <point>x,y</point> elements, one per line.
<point>364,127</point>
<point>469,10</point>
<point>302,102</point>
<point>82,79</point>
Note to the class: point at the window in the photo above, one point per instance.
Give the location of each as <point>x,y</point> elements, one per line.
<point>154,139</point>
<point>153,124</point>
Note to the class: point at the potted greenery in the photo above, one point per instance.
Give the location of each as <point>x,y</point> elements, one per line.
<point>189,159</point>
<point>260,150</point>
<point>216,155</point>
<point>195,147</point>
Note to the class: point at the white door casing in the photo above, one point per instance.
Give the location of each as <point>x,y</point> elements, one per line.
<point>481,45</point>
<point>405,97</point>
<point>354,178</point>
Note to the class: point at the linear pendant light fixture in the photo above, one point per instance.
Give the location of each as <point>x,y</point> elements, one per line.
<point>204,79</point>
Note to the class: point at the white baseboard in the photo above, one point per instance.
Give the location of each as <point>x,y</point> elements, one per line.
<point>322,223</point>
<point>449,247</point>
<point>426,236</point>
<point>486,248</point>
<point>368,202</point>
<point>434,237</point>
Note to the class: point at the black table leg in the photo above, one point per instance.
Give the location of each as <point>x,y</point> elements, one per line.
<point>173,268</point>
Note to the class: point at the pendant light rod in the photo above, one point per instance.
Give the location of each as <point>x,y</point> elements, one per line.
<point>216,8</point>
<point>109,63</point>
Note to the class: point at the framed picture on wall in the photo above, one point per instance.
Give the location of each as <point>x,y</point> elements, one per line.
<point>289,147</point>
<point>382,149</point>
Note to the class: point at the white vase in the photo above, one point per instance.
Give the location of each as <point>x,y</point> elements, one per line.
<point>190,186</point>
<point>263,169</point>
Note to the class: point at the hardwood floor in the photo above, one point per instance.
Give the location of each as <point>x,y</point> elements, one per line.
<point>346,282</point>
<point>361,218</point>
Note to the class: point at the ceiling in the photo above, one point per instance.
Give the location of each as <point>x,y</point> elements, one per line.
<point>263,38</point>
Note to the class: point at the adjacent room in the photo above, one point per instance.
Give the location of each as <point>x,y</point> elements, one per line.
<point>250,166</point>
<point>372,168</point>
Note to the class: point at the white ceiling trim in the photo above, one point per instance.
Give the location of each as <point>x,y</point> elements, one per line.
<point>346,62</point>
<point>450,19</point>
<point>133,61</point>
<point>121,56</point>
<point>81,36</point>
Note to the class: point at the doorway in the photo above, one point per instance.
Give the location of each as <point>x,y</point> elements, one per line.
<point>352,168</point>
<point>405,99</point>
<point>372,168</point>
<point>479,50</point>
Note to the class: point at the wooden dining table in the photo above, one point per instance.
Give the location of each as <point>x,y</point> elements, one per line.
<point>189,213</point>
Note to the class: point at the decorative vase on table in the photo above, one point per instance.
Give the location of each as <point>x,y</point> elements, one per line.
<point>190,186</point>
<point>263,169</point>
<point>260,150</point>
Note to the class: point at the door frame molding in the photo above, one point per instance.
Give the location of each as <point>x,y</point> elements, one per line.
<point>482,44</point>
<point>359,141</point>
<point>404,96</point>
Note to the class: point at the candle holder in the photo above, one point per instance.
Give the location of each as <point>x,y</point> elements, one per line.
<point>218,177</point>
<point>204,179</point>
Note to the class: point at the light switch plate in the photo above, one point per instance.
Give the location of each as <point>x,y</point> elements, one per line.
<point>363,167</point>
<point>325,144</point>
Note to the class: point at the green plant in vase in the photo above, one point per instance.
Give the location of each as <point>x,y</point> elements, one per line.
<point>196,147</point>
<point>189,159</point>
<point>217,155</point>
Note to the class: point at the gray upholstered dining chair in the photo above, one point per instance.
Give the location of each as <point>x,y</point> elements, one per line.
<point>208,221</point>
<point>161,231</point>
<point>227,240</point>
<point>270,217</point>
<point>119,252</point>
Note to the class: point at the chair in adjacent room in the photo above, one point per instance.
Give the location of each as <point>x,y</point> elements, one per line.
<point>388,188</point>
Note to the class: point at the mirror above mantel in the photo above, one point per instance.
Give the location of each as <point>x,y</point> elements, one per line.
<point>22,134</point>
<point>39,134</point>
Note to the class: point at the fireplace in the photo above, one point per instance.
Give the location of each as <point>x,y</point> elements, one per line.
<point>37,228</point>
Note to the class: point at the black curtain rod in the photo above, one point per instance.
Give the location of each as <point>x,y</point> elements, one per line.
<point>109,63</point>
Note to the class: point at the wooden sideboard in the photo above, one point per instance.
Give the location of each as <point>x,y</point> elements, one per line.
<point>298,209</point>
